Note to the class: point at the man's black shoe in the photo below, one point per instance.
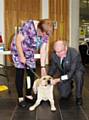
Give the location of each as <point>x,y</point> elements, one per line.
<point>79,101</point>
<point>22,104</point>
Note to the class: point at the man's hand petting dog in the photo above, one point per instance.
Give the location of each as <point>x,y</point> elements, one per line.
<point>55,81</point>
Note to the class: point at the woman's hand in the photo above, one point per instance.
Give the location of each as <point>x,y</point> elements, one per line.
<point>23,60</point>
<point>43,71</point>
<point>19,40</point>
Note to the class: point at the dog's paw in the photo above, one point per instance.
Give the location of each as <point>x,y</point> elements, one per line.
<point>53,108</point>
<point>31,108</point>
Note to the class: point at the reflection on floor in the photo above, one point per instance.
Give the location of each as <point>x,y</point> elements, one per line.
<point>65,110</point>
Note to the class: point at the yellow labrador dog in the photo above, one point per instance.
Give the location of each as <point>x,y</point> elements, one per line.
<point>44,90</point>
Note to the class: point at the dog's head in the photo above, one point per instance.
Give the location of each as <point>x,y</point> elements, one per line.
<point>46,80</point>
<point>43,81</point>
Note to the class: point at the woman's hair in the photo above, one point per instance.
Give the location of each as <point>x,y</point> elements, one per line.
<point>45,25</point>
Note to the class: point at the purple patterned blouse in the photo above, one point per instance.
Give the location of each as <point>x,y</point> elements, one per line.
<point>29,45</point>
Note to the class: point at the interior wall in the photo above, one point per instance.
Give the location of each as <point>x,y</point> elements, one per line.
<point>74,23</point>
<point>44,9</point>
<point>2,19</point>
<point>59,12</point>
<point>17,11</point>
<point>2,29</point>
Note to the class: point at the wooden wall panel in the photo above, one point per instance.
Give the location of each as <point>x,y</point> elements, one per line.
<point>30,10</point>
<point>17,11</point>
<point>58,11</point>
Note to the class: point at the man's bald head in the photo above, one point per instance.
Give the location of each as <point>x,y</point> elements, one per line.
<point>60,45</point>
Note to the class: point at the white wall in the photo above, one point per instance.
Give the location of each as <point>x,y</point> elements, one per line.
<point>2,27</point>
<point>2,18</point>
<point>45,14</point>
<point>74,23</point>
<point>45,8</point>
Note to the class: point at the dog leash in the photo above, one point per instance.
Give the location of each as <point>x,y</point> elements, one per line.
<point>28,79</point>
<point>36,75</point>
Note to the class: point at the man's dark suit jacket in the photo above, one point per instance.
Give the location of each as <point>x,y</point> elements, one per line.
<point>72,63</point>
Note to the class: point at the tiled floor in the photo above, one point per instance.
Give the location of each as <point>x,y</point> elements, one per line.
<point>65,110</point>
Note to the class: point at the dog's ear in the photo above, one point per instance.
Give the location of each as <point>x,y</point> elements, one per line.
<point>35,85</point>
<point>37,82</point>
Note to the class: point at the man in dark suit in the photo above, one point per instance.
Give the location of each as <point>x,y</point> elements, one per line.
<point>68,61</point>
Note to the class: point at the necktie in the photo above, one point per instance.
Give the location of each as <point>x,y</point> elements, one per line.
<point>62,63</point>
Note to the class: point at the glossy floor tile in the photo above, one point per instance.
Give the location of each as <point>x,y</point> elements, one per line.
<point>68,110</point>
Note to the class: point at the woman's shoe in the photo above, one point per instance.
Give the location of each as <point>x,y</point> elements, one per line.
<point>30,97</point>
<point>22,104</point>
<point>30,100</point>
